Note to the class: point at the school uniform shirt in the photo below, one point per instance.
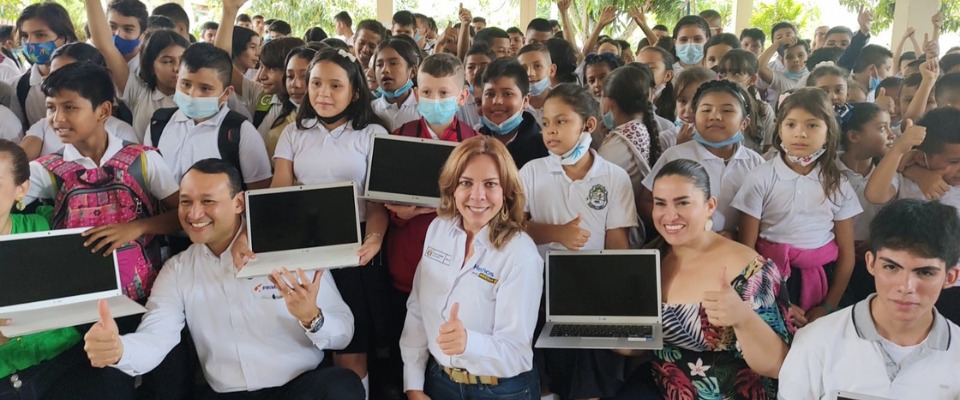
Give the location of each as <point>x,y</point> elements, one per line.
<point>604,198</point>
<point>861,224</point>
<point>51,143</point>
<point>499,295</point>
<point>8,68</point>
<point>275,108</point>
<point>725,179</point>
<point>321,156</point>
<point>245,337</point>
<point>247,104</point>
<point>792,208</point>
<point>395,115</point>
<point>768,124</point>
<point>844,351</point>
<point>537,113</point>
<point>527,144</point>
<point>36,102</point>
<point>10,127</point>
<point>134,64</point>
<point>184,142</point>
<point>159,179</point>
<point>468,112</point>
<point>908,189</point>
<point>142,102</point>
<point>668,132</point>
<point>780,83</point>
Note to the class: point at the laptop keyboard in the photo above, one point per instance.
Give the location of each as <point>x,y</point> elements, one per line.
<point>602,331</point>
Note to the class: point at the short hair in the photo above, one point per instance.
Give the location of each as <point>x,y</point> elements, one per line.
<point>754,33</point>
<point>479,19</point>
<point>912,80</point>
<point>216,166</point>
<point>947,90</point>
<point>554,23</point>
<point>624,45</point>
<point>374,26</point>
<point>872,54</point>
<point>740,61</point>
<point>486,35</point>
<point>404,17</point>
<point>241,38</point>
<point>155,22</point>
<point>941,124</point>
<point>782,25</point>
<point>315,34</point>
<point>344,17</point>
<point>710,14</point>
<point>948,62</point>
<point>661,27</point>
<point>90,81</point>
<point>728,39</point>
<point>539,25</point>
<point>131,8</point>
<point>839,29</point>
<point>480,48</point>
<point>19,165</point>
<point>334,42</point>
<point>692,75</point>
<point>564,56</point>
<point>514,30</point>
<point>890,83</point>
<point>243,18</point>
<point>256,16</point>
<point>508,222</point>
<point>824,54</point>
<point>907,56</point>
<point>81,52</point>
<point>273,54</point>
<point>206,55</point>
<point>928,229</point>
<point>6,32</point>
<point>209,25</point>
<point>175,12</point>
<point>538,47</point>
<point>280,26</point>
<point>689,169</point>
<point>53,15</point>
<point>158,41</point>
<point>442,65</point>
<point>692,20</point>
<point>269,21</point>
<point>507,67</point>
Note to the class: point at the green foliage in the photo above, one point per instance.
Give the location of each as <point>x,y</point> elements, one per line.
<point>767,14</point>
<point>883,12</point>
<point>305,14</point>
<point>10,10</point>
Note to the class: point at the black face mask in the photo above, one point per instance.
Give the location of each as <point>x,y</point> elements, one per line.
<point>335,118</point>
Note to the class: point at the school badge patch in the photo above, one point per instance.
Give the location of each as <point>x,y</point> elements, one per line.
<point>597,198</point>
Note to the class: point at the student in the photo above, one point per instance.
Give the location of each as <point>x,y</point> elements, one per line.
<point>279,29</point>
<point>888,94</point>
<point>798,208</point>
<point>866,137</point>
<point>516,40</point>
<point>177,14</point>
<point>741,67</point>
<point>689,36</point>
<point>317,34</point>
<point>128,22</point>
<point>475,62</point>
<point>245,51</point>
<point>595,68</point>
<point>794,54</point>
<point>947,90</point>
<point>244,21</point>
<point>369,35</point>
<point>833,81</point>
<point>917,94</point>
<point>479,23</point>
<point>462,334</point>
<point>686,86</point>
<point>538,31</point>
<point>717,47</point>
<point>496,38</point>
<point>540,71</point>
<point>564,56</point>
<point>753,40</point>
<point>893,344</point>
<point>10,127</point>
<point>838,36</point>
<point>10,65</point>
<point>208,32</point>
<point>503,112</point>
<point>714,20</point>
<point>344,27</point>
<point>192,290</point>
<point>396,70</point>
<point>660,63</point>
<point>403,23</point>
<point>873,66</point>
<point>295,80</point>
<point>950,63</point>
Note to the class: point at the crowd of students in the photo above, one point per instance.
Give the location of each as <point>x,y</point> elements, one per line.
<point>803,195</point>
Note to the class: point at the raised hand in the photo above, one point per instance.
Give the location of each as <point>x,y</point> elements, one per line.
<point>723,306</point>
<point>453,336</point>
<point>102,342</point>
<point>911,137</point>
<point>607,16</point>
<point>299,293</point>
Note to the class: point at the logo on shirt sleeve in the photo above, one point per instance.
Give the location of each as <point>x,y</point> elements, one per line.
<point>438,256</point>
<point>597,198</point>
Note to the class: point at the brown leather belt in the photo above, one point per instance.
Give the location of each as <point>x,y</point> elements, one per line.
<point>460,375</point>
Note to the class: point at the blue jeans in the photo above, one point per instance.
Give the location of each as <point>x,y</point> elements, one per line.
<point>438,385</point>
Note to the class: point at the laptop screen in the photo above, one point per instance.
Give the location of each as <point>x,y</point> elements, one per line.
<point>611,285</point>
<point>52,267</point>
<point>407,167</point>
<point>303,218</point>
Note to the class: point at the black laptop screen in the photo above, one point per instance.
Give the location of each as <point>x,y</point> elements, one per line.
<point>406,167</point>
<point>612,285</point>
<point>301,219</point>
<point>51,267</point>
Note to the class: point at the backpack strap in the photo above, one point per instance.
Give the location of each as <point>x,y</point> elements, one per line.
<point>228,140</point>
<point>23,90</point>
<point>60,170</point>
<point>159,121</point>
<point>132,158</point>
<point>264,105</point>
<point>124,113</point>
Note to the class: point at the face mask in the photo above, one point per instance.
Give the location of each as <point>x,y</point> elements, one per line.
<point>266,38</point>
<point>736,138</point>
<point>658,90</point>
<point>537,88</point>
<point>577,152</point>
<point>125,46</point>
<point>805,161</point>
<point>795,76</point>
<point>678,123</point>
<point>505,127</point>
<point>396,93</point>
<point>196,107</point>
<point>417,37</point>
<point>376,94</point>
<point>39,53</point>
<point>874,82</point>
<point>437,111</point>
<point>608,120</point>
<point>431,43</point>
<point>690,53</point>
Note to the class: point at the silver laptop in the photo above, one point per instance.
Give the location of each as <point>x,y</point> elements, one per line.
<point>406,170</point>
<point>603,299</point>
<point>310,227</point>
<point>48,280</point>
<point>841,395</point>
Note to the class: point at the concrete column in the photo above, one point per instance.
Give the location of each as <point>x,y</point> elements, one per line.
<point>528,11</point>
<point>915,13</point>
<point>385,11</point>
<point>743,10</point>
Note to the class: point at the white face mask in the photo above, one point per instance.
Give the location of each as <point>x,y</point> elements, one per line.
<point>579,150</point>
<point>807,160</point>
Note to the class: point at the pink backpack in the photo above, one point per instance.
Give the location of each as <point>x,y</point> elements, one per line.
<point>113,193</point>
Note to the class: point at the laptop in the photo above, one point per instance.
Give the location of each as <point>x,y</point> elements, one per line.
<point>48,280</point>
<point>841,395</point>
<point>309,227</point>
<point>603,299</point>
<point>406,170</point>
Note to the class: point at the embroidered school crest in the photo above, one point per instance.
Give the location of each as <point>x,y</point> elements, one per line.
<point>597,198</point>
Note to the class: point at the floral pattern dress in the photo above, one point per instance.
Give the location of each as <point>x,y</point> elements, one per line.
<point>703,361</point>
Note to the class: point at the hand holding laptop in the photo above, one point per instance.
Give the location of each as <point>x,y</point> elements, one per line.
<point>111,237</point>
<point>724,307</point>
<point>408,212</point>
<point>299,293</point>
<point>369,248</point>
<point>3,339</point>
<point>102,342</point>
<point>453,337</point>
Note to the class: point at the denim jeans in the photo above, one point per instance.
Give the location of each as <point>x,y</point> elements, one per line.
<point>438,385</point>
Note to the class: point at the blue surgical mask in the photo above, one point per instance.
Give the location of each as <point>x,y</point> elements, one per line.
<point>197,107</point>
<point>537,88</point>
<point>396,93</point>
<point>678,122</point>
<point>608,120</point>
<point>417,37</point>
<point>690,53</point>
<point>125,46</point>
<point>577,152</point>
<point>39,53</point>
<point>736,138</point>
<point>794,76</point>
<point>438,111</point>
<point>874,82</point>
<point>505,127</point>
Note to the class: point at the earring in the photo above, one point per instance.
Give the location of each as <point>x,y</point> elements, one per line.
<point>20,205</point>
<point>709,225</point>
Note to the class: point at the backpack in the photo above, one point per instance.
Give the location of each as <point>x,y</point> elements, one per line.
<point>228,140</point>
<point>23,90</point>
<point>113,193</point>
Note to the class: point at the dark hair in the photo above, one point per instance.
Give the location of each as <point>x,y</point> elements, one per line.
<point>578,97</point>
<point>629,88</point>
<point>744,61</point>
<point>947,88</point>
<point>782,25</point>
<point>206,55</point>
<point>661,27</point>
<point>624,45</point>
<point>782,51</point>
<point>175,12</point>
<point>344,17</point>
<point>90,81</point>
<point>722,86</point>
<point>872,54</point>
<point>6,32</point>
<point>515,30</point>
<point>334,42</point>
<point>534,47</point>
<point>480,48</point>
<point>860,114</point>
<point>273,54</point>
<point>728,39</point>
<point>486,35</point>
<point>442,65</point>
<point>406,48</point>
<point>209,25</point>
<point>825,70</point>
<point>707,14</point>
<point>611,61</point>
<point>480,19</point>
<point>941,124</point>
<point>131,8</point>
<point>949,61</point>
<point>739,61</point>
<point>53,15</point>
<point>404,17</point>
<point>689,169</point>
<point>816,102</point>
<point>216,166</point>
<point>839,30</point>
<point>912,80</point>
<point>268,22</point>
<point>755,34</point>
<point>666,103</point>
<point>315,34</point>
<point>823,54</point>
<point>539,25</point>
<point>564,56</point>
<point>256,16</point>
<point>241,38</point>
<point>506,67</point>
<point>929,229</point>
<point>890,83</point>
<point>19,165</point>
<point>374,26</point>
<point>155,22</point>
<point>306,52</point>
<point>158,41</point>
<point>692,20</point>
<point>280,26</point>
<point>243,18</point>
<point>82,52</point>
<point>359,111</point>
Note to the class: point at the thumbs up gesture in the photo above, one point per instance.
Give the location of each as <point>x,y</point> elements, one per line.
<point>464,14</point>
<point>885,102</point>
<point>723,306</point>
<point>572,236</point>
<point>102,342</point>
<point>453,337</point>
<point>911,137</point>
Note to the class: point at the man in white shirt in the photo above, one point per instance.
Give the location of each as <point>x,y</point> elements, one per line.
<point>264,337</point>
<point>894,344</point>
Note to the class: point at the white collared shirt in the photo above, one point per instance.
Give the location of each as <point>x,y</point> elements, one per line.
<point>245,336</point>
<point>468,112</point>
<point>861,224</point>
<point>725,179</point>
<point>143,102</point>
<point>499,295</point>
<point>184,142</point>
<point>276,107</point>
<point>843,351</point>
<point>909,190</point>
<point>395,115</point>
<point>667,132</point>
<point>792,208</point>
<point>36,102</point>
<point>51,143</point>
<point>537,113</point>
<point>780,83</point>
<point>10,127</point>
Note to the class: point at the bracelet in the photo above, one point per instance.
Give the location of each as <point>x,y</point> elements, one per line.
<point>826,306</point>
<point>370,235</point>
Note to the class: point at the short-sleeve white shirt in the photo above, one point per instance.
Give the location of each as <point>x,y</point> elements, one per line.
<point>51,143</point>
<point>395,115</point>
<point>142,103</point>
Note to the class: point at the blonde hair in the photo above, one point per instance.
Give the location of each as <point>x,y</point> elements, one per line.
<point>510,218</point>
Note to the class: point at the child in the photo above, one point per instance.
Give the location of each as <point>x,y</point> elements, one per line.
<point>798,208</point>
<point>478,56</point>
<point>832,80</point>
<point>687,84</point>
<point>888,94</point>
<point>576,200</point>
<point>540,70</point>
<point>503,115</point>
<point>295,81</point>
<point>794,52</point>
<point>717,47</point>
<point>917,96</point>
<point>689,36</point>
<point>856,93</point>
<point>660,63</point>
<point>741,67</point>
<point>595,68</point>
<point>128,21</point>
<point>873,66</point>
<point>396,67</point>
<point>947,90</point>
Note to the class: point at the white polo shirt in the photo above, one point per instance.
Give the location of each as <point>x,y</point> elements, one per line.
<point>276,107</point>
<point>725,179</point>
<point>321,156</point>
<point>395,115</point>
<point>604,197</point>
<point>184,142</point>
<point>844,351</point>
<point>909,190</point>
<point>36,102</point>
<point>861,224</point>
<point>667,132</point>
<point>468,112</point>
<point>499,295</point>
<point>780,83</point>
<point>159,179</point>
<point>10,127</point>
<point>792,208</point>
<point>245,337</point>
<point>51,143</point>
<point>142,102</point>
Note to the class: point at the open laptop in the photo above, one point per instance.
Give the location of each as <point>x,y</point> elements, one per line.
<point>841,395</point>
<point>310,227</point>
<point>406,170</point>
<point>48,280</point>
<point>603,299</point>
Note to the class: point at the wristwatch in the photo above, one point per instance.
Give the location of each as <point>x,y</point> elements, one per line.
<point>315,324</point>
